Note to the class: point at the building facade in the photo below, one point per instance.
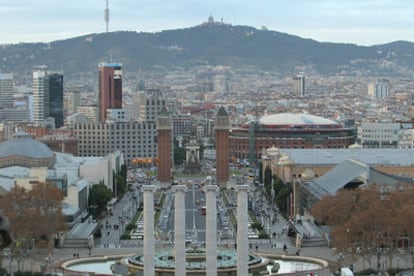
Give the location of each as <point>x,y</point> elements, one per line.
<point>299,85</point>
<point>56,98</point>
<point>133,139</point>
<point>288,130</point>
<point>90,111</point>
<point>110,88</point>
<point>379,134</point>
<point>153,103</point>
<point>6,90</point>
<point>40,97</point>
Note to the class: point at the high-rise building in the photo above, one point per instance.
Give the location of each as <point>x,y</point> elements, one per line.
<point>299,85</point>
<point>6,90</point>
<point>56,98</point>
<point>110,88</point>
<point>74,102</point>
<point>154,102</point>
<point>379,89</point>
<point>40,97</point>
<point>382,89</point>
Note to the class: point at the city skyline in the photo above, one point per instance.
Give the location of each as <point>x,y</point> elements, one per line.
<point>364,22</point>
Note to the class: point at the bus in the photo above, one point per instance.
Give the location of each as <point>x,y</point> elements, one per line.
<point>110,205</point>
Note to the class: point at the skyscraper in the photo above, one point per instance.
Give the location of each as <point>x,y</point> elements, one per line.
<point>299,85</point>
<point>6,90</point>
<point>110,87</point>
<point>40,97</point>
<point>56,98</point>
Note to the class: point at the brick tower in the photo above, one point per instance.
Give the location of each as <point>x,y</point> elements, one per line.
<point>164,128</point>
<point>221,132</point>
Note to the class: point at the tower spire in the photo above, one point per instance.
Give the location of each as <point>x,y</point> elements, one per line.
<point>107,16</point>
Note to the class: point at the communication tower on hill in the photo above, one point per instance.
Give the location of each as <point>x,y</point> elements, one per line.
<point>107,16</point>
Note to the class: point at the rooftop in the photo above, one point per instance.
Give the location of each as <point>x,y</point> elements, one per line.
<point>392,157</point>
<point>295,119</point>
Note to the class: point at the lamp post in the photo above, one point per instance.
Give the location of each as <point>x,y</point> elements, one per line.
<point>48,261</point>
<point>378,260</point>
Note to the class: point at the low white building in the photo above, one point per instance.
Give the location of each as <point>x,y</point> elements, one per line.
<point>25,161</point>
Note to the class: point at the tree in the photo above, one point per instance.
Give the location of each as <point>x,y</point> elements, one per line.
<point>369,222</point>
<point>34,214</point>
<point>281,199</point>
<point>179,154</point>
<point>278,184</point>
<point>99,196</point>
<point>261,172</point>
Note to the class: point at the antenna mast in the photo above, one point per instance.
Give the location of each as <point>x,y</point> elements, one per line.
<point>107,16</point>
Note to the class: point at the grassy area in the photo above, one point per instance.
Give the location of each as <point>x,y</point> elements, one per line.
<point>133,222</point>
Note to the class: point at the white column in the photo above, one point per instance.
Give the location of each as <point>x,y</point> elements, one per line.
<point>179,229</point>
<point>149,247</point>
<point>242,231</point>
<point>211,229</point>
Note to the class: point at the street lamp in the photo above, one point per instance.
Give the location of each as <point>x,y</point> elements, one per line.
<point>378,260</point>
<point>48,261</point>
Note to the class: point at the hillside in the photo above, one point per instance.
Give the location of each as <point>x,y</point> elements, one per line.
<point>205,44</point>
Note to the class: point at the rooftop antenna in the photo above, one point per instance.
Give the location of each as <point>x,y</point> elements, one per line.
<point>107,16</point>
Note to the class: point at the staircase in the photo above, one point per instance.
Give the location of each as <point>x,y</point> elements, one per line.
<point>75,243</point>
<point>314,242</point>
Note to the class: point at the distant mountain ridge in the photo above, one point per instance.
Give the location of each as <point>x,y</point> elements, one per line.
<point>212,44</point>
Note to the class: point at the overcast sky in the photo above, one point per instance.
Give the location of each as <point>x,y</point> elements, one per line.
<point>363,22</point>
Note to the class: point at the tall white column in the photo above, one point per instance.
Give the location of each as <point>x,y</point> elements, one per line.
<point>211,229</point>
<point>242,231</point>
<point>179,229</point>
<point>149,246</point>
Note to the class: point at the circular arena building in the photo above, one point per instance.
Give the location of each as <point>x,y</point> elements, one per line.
<point>288,130</point>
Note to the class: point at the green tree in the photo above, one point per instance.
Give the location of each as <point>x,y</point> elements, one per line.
<point>179,154</point>
<point>261,172</point>
<point>99,196</point>
<point>268,181</point>
<point>278,184</point>
<point>282,198</point>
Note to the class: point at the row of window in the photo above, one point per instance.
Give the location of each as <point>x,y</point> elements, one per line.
<point>114,126</point>
<point>99,134</point>
<point>394,131</point>
<point>89,146</point>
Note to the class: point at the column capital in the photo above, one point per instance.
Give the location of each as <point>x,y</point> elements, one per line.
<point>211,188</point>
<point>179,188</point>
<point>149,188</point>
<point>240,188</point>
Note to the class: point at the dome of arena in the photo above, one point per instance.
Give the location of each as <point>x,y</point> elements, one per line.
<point>295,119</point>
<point>25,151</point>
<point>288,130</point>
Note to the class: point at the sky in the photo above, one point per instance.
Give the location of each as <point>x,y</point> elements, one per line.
<point>362,22</point>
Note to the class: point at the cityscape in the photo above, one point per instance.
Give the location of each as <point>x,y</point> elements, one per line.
<point>221,163</point>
